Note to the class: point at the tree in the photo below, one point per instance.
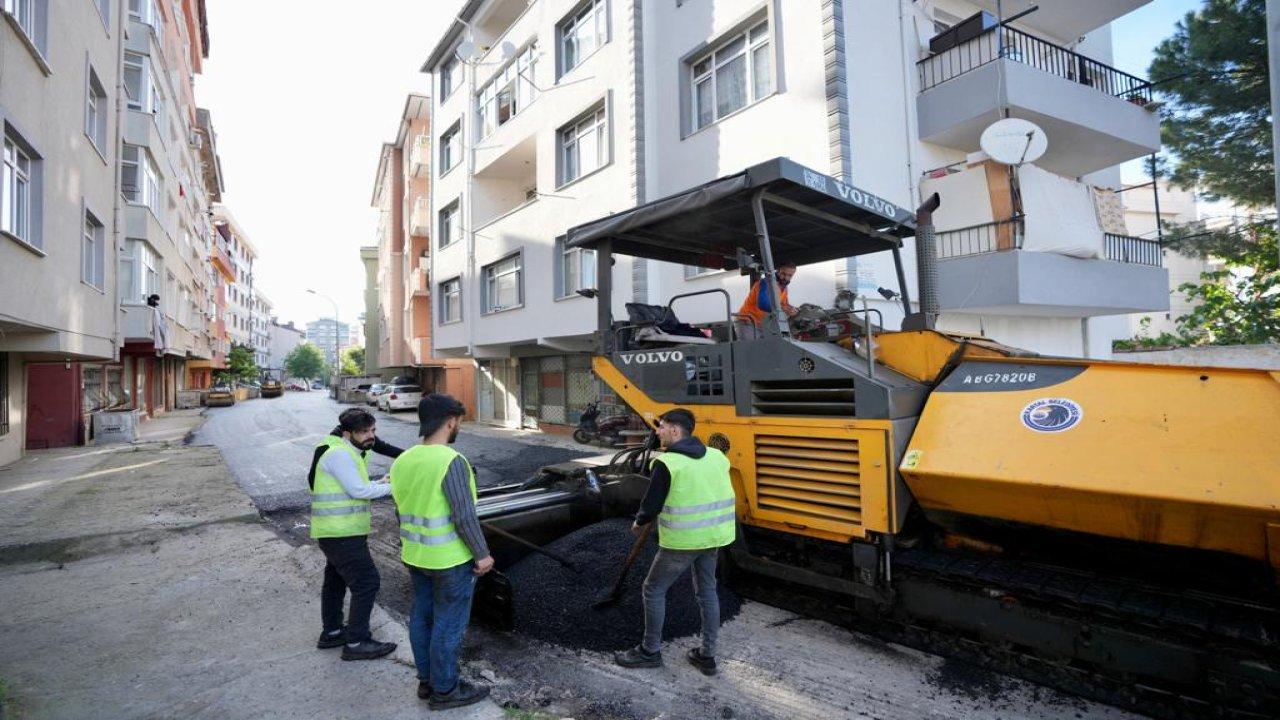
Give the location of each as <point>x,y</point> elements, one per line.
<point>240,365</point>
<point>1239,304</point>
<point>1212,73</point>
<point>305,361</point>
<point>353,361</point>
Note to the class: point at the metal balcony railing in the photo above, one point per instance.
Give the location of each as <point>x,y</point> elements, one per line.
<point>1030,50</point>
<point>1136,250</point>
<point>1009,234</point>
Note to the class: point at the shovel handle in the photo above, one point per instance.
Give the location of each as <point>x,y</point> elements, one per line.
<point>631,558</point>
<point>536,548</point>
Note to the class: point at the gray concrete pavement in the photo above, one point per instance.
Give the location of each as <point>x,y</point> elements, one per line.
<point>268,445</point>
<point>137,581</point>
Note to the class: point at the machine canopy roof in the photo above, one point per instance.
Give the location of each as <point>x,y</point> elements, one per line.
<point>811,217</point>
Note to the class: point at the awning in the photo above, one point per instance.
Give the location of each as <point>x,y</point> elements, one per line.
<point>811,217</point>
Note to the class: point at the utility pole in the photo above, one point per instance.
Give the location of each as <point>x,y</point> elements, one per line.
<point>1273,58</point>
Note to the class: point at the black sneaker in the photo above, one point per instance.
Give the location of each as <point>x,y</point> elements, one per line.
<point>367,650</point>
<point>424,691</point>
<point>638,657</point>
<point>706,665</point>
<point>464,693</point>
<point>334,639</point>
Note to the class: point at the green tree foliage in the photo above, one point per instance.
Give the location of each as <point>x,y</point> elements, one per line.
<point>1239,304</point>
<point>240,365</point>
<point>305,361</point>
<point>1212,73</point>
<point>353,361</point>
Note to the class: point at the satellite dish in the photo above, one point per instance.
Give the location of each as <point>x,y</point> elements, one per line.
<point>508,49</point>
<point>466,50</point>
<point>1014,141</point>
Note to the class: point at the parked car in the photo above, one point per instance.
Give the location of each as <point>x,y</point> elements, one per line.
<point>295,386</point>
<point>220,395</point>
<point>400,397</point>
<point>317,386</point>
<point>371,395</point>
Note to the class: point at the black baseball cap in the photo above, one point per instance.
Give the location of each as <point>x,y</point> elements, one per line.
<point>435,408</point>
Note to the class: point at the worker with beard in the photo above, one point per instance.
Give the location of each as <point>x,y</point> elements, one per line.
<point>759,303</point>
<point>341,496</point>
<point>443,547</point>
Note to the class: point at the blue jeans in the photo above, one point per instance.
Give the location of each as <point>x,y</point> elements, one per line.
<point>667,567</point>
<point>441,611</point>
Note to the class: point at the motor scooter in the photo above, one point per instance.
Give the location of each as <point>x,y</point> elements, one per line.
<point>592,429</point>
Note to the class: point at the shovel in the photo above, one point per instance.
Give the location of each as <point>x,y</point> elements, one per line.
<point>616,593</point>
<point>536,548</point>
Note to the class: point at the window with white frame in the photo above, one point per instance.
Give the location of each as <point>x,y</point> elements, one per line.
<point>16,194</point>
<point>509,92</point>
<point>584,32</point>
<point>450,76</point>
<point>95,113</point>
<point>139,272</point>
<point>104,9</point>
<point>738,72</point>
<point>584,146</point>
<point>451,147</point>
<point>503,284</point>
<point>139,178</point>
<point>144,11</point>
<point>451,301</point>
<point>24,11</point>
<point>450,224</point>
<point>140,84</point>
<point>577,270</point>
<point>92,251</point>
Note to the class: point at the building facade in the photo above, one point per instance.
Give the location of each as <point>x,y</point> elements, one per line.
<point>282,339</point>
<point>331,336</point>
<point>569,110</point>
<point>243,324</point>
<point>371,316</point>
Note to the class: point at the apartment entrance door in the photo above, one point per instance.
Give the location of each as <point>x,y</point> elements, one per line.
<point>53,406</point>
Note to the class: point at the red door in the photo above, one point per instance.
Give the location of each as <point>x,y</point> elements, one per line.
<point>53,406</point>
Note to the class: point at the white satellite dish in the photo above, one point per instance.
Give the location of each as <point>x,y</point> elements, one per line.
<point>508,49</point>
<point>466,51</point>
<point>1014,141</point>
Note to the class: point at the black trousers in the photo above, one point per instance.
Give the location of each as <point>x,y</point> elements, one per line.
<point>349,566</point>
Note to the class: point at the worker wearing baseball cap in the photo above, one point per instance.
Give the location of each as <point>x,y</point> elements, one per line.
<point>443,547</point>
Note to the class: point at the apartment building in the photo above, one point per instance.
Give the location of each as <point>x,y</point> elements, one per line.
<point>331,336</point>
<point>401,192</point>
<point>222,272</point>
<point>282,339</point>
<point>58,208</point>
<point>371,316</point>
<point>260,327</point>
<point>241,305</point>
<point>549,113</point>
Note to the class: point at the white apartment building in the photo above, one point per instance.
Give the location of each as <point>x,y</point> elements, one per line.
<point>260,327</point>
<point>241,311</point>
<point>59,89</point>
<point>331,336</point>
<point>567,110</point>
<point>281,340</point>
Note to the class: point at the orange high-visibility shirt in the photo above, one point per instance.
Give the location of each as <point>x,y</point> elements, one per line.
<point>757,305</point>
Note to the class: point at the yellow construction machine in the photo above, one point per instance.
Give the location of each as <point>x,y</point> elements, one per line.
<point>1108,528</point>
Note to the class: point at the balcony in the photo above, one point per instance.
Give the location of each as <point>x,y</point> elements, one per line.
<point>420,156</point>
<point>1065,19</point>
<point>420,218</point>
<point>420,280</point>
<point>1094,115</point>
<point>221,260</point>
<point>986,269</point>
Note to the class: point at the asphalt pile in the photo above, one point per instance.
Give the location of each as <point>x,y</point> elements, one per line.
<point>553,603</point>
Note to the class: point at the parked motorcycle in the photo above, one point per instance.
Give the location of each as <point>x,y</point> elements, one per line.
<point>592,429</point>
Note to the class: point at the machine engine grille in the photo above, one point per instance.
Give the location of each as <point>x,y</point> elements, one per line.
<point>814,477</point>
<point>803,397</point>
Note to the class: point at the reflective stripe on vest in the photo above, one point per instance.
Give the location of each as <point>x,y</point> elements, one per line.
<point>334,513</point>
<point>699,510</point>
<point>428,538</point>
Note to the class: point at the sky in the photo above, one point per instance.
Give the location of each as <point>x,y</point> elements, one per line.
<point>302,95</point>
<point>302,101</point>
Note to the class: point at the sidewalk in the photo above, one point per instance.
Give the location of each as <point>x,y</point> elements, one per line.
<point>138,581</point>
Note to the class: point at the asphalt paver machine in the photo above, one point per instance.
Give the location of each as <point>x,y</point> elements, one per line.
<point>1112,529</point>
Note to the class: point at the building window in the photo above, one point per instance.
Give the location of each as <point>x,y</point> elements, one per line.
<point>450,76</point>
<point>140,84</point>
<point>584,146</point>
<point>144,11</point>
<point>15,193</point>
<point>23,11</point>
<point>586,30</point>
<point>93,251</point>
<point>139,178</point>
<point>104,9</point>
<point>450,301</point>
<point>577,270</point>
<point>450,224</point>
<point>734,75</point>
<point>503,284</point>
<point>450,147</point>
<point>95,114</point>
<point>509,92</point>
<point>139,273</point>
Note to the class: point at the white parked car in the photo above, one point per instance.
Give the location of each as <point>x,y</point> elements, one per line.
<point>371,395</point>
<point>399,397</point>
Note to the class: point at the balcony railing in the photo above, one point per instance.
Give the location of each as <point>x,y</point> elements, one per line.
<point>1020,47</point>
<point>1009,234</point>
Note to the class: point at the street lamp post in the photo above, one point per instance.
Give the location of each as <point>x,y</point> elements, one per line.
<point>336,359</point>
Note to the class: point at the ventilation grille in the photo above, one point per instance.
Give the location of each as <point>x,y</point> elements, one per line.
<point>813,477</point>
<point>803,397</point>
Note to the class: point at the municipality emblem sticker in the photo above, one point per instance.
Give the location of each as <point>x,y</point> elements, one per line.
<point>1051,415</point>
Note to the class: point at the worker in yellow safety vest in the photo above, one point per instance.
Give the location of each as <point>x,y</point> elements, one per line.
<point>692,499</point>
<point>341,496</point>
<point>443,547</point>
